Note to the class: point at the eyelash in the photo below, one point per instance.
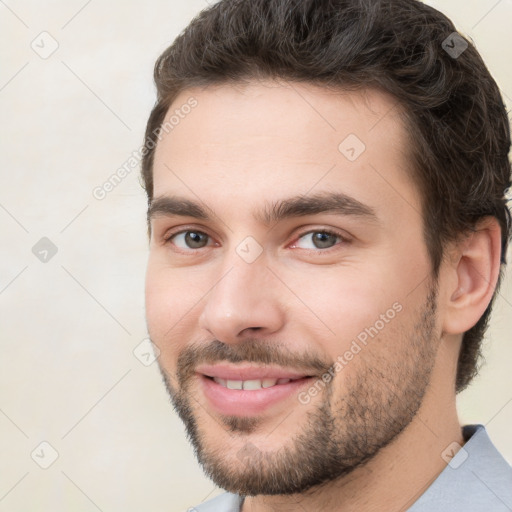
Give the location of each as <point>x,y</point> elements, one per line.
<point>341,238</point>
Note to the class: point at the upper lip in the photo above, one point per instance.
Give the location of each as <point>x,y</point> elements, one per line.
<point>231,372</point>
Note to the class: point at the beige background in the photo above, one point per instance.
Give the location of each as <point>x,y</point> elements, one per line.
<point>69,326</point>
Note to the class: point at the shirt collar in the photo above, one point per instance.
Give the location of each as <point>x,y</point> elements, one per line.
<point>477,478</point>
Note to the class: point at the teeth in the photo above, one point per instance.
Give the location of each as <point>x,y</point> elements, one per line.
<point>234,384</point>
<point>250,384</point>
<point>220,381</point>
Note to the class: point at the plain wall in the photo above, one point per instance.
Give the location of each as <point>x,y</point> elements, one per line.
<point>69,325</point>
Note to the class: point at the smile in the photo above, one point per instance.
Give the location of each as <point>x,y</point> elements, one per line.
<point>250,384</point>
<point>249,390</point>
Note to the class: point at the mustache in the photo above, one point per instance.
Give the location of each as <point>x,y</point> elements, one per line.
<point>248,351</point>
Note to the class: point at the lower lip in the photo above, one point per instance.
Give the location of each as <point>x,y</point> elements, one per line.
<point>239,402</point>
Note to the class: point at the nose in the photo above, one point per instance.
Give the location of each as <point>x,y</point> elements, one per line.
<point>243,303</point>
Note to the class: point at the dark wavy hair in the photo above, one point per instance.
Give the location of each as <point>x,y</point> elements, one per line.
<point>452,107</point>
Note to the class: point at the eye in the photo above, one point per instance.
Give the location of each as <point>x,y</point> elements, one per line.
<point>189,239</point>
<point>320,239</point>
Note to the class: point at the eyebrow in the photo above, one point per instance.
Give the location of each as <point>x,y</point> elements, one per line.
<point>296,206</point>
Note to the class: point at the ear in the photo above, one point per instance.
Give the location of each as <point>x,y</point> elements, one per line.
<point>474,270</point>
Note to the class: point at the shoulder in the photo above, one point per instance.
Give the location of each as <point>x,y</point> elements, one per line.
<point>477,478</point>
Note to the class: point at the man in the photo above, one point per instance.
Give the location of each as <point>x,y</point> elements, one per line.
<point>327,216</point>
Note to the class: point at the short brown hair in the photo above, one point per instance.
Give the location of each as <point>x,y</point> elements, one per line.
<point>454,112</point>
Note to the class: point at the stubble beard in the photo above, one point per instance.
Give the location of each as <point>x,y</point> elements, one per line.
<point>338,435</point>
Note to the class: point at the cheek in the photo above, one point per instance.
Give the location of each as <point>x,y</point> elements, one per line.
<point>343,301</point>
<point>157,301</point>
<point>169,309</point>
<point>364,315</point>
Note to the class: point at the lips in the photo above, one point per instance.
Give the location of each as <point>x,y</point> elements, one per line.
<point>248,390</point>
<point>245,373</point>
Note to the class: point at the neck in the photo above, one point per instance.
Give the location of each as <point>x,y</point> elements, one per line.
<point>400,472</point>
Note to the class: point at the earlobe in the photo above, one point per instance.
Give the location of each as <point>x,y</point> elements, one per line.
<point>475,273</point>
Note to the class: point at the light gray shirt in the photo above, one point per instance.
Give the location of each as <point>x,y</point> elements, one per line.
<point>476,479</point>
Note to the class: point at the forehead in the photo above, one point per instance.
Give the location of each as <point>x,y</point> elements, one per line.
<point>265,140</point>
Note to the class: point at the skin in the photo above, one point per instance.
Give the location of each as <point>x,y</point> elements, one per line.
<point>243,147</point>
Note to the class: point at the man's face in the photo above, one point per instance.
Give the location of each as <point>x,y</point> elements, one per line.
<point>303,259</point>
